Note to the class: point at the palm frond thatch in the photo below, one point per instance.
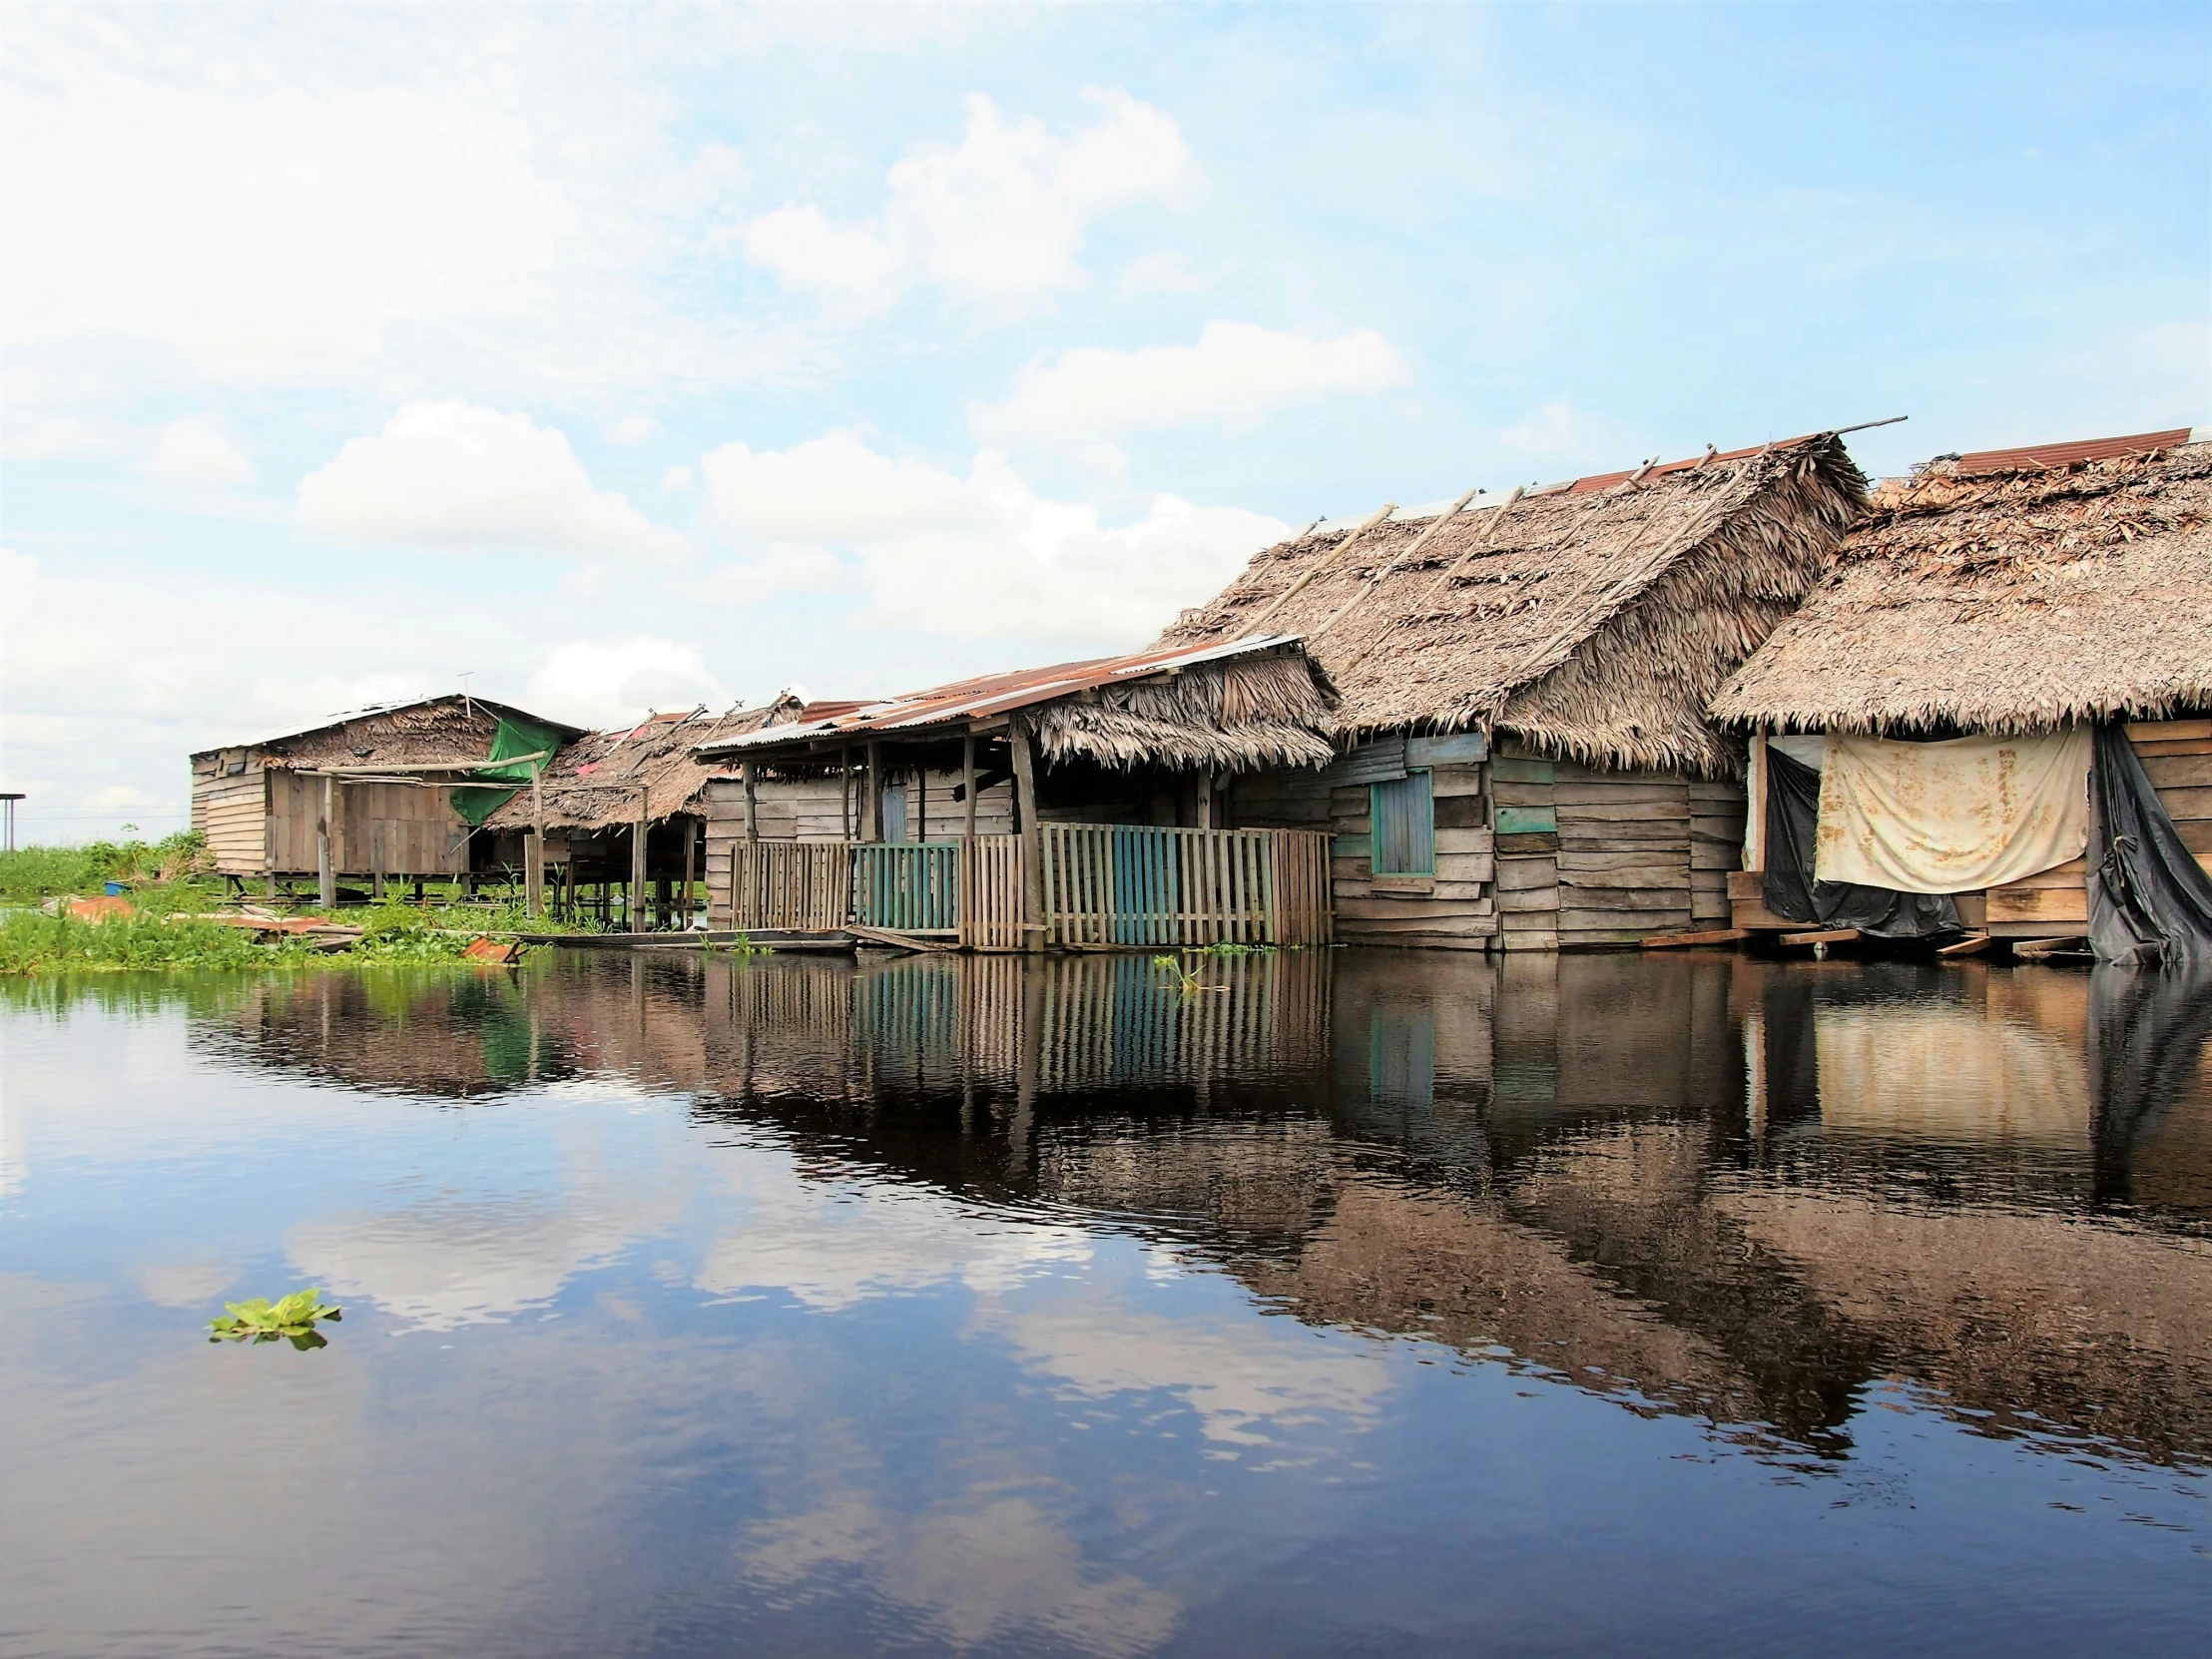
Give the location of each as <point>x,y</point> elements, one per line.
<point>1594,621</point>
<point>2005,602</point>
<point>593,783</point>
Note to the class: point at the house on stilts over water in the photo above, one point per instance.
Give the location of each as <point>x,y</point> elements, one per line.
<point>621,817</point>
<point>1070,807</point>
<point>1995,715</point>
<point>386,793</point>
<point>1523,756</point>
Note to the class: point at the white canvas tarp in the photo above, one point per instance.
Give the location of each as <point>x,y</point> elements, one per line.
<point>1951,817</point>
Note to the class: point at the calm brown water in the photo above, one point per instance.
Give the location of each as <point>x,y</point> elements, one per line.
<point>1345,1303</point>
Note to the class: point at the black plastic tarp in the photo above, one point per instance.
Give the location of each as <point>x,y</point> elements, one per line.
<point>2150,901</point>
<point>1791,890</point>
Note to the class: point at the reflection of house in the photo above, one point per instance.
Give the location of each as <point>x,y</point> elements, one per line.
<point>1524,688</point>
<point>370,795</point>
<point>1943,678</point>
<point>1071,805</point>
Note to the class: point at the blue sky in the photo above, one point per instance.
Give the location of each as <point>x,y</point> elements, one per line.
<point>628,359</point>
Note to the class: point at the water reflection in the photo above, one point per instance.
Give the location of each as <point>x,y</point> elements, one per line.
<point>990,1303</point>
<point>1740,1191</point>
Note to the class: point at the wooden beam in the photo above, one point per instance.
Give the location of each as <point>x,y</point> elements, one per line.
<point>533,868</point>
<point>1325,562</point>
<point>1677,941</point>
<point>1826,935</point>
<point>1972,945</point>
<point>326,869</point>
<point>1032,842</point>
<point>636,868</point>
<point>1400,562</point>
<point>920,824</point>
<point>967,786</point>
<point>874,825</point>
<point>418,765</point>
<point>751,800</point>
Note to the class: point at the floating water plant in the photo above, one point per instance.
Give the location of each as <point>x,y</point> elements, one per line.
<point>264,1321</point>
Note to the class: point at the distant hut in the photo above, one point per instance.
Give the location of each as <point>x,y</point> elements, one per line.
<point>1526,760</point>
<point>1944,680</point>
<point>391,792</point>
<point>601,790</point>
<point>1075,804</point>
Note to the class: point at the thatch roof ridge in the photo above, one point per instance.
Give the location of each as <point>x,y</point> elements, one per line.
<point>2007,600</point>
<point>451,726</point>
<point>1558,614</point>
<point>593,783</point>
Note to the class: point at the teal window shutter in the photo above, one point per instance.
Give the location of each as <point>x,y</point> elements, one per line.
<point>1403,813</point>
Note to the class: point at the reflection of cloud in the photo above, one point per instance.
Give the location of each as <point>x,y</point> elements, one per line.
<point>187,1283</point>
<point>834,1245</point>
<point>990,1570</point>
<point>1246,1379</point>
<point>11,1147</point>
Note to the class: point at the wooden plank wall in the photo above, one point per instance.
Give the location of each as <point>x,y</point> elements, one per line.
<point>421,833</point>
<point>232,812</point>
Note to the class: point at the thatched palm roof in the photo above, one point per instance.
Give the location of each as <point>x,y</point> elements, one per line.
<point>1593,619</point>
<point>593,783</point>
<point>454,727</point>
<point>2005,599</point>
<point>1259,703</point>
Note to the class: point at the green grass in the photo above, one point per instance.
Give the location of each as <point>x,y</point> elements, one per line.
<point>33,943</point>
<point>43,872</point>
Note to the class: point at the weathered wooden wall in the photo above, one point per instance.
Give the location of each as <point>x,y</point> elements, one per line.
<point>419,832</point>
<point>1532,854</point>
<point>232,812</point>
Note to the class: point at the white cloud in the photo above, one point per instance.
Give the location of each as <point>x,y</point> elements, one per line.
<point>197,452</point>
<point>633,428</point>
<point>598,683</point>
<point>1169,272</point>
<point>460,477</point>
<point>1001,213</point>
<point>1236,373</point>
<point>975,556</point>
<point>676,481</point>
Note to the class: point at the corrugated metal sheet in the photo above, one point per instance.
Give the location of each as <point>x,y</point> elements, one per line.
<point>2050,455</point>
<point>991,694</point>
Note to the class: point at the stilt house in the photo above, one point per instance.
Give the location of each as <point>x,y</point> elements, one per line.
<point>623,817</point>
<point>1524,761</point>
<point>1945,678</point>
<point>1076,806</point>
<point>369,795</point>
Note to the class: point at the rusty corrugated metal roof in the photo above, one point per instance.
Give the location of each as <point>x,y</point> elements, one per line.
<point>986,695</point>
<point>2051,455</point>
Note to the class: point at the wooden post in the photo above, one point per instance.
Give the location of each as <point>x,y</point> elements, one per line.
<point>1205,800</point>
<point>376,859</point>
<point>751,802</point>
<point>874,825</point>
<point>921,802</point>
<point>637,869</point>
<point>1032,842</point>
<point>967,786</point>
<point>326,872</point>
<point>691,848</point>
<point>844,794</point>
<point>533,861</point>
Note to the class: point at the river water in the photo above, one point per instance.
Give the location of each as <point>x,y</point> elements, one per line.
<point>1328,1302</point>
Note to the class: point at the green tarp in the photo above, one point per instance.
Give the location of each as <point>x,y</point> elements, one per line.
<point>476,803</point>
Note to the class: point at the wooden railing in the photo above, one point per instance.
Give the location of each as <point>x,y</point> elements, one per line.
<point>1105,886</point>
<point>1123,885</point>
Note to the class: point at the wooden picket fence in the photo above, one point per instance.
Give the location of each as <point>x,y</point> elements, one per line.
<point>1105,886</point>
<point>1133,886</point>
<point>802,887</point>
<point>908,886</point>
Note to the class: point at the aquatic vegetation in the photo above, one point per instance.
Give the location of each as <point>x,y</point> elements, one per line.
<point>293,1318</point>
<point>43,872</point>
<point>32,942</point>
